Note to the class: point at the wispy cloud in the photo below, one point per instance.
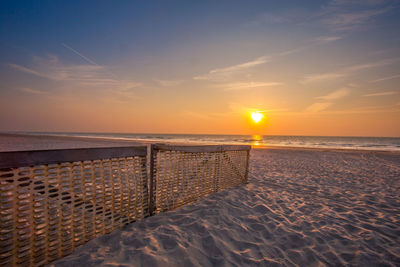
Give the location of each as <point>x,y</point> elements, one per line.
<point>352,20</point>
<point>346,71</point>
<point>29,71</point>
<point>215,73</point>
<point>335,95</point>
<point>386,78</point>
<point>169,83</point>
<point>340,15</point>
<point>382,94</point>
<point>317,107</point>
<point>33,91</point>
<point>78,76</point>
<point>369,65</point>
<point>240,108</point>
<point>246,85</point>
<point>292,15</point>
<point>335,16</point>
<point>322,77</point>
<point>366,110</point>
<point>321,40</point>
<point>321,106</point>
<point>221,74</point>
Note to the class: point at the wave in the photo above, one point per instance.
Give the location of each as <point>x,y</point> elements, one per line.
<point>339,142</point>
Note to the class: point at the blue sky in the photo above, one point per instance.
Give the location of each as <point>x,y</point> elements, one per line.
<point>312,67</point>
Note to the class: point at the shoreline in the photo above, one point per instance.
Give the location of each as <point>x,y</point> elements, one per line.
<point>86,142</point>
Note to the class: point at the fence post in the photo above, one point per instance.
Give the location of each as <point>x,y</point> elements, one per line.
<point>150,175</point>
<point>247,167</point>
<point>217,171</point>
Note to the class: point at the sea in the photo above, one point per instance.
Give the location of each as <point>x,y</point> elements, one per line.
<point>336,142</point>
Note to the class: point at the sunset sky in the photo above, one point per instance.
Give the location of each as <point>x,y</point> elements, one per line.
<point>315,68</point>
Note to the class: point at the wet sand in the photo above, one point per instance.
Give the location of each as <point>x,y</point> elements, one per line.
<point>302,207</point>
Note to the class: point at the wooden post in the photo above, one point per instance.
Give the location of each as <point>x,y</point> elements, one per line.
<point>151,176</point>
<point>217,171</point>
<point>247,167</point>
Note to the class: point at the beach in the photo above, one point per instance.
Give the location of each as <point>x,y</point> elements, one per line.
<point>301,207</point>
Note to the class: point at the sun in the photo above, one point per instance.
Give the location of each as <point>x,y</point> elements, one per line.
<point>257,116</point>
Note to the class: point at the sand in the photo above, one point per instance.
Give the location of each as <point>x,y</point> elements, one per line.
<point>302,207</point>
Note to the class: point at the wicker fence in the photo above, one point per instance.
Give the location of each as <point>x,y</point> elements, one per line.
<point>182,174</point>
<point>53,201</point>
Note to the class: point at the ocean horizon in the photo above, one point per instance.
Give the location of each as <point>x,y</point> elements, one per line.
<point>332,142</point>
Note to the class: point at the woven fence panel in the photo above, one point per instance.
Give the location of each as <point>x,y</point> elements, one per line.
<point>232,168</point>
<point>46,211</point>
<point>183,177</point>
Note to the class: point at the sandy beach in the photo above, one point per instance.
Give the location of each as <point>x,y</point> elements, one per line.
<point>301,207</point>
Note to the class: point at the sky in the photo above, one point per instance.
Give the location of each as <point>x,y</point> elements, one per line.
<point>311,67</point>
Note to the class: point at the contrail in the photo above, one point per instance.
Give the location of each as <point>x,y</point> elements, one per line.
<point>79,54</point>
<point>88,59</point>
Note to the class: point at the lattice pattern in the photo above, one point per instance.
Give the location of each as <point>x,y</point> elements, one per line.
<point>47,211</point>
<point>232,168</point>
<point>53,201</point>
<point>183,177</point>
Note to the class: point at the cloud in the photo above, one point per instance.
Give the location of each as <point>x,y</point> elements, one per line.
<point>343,15</point>
<point>78,76</point>
<point>322,77</point>
<point>335,95</point>
<point>169,83</point>
<point>346,71</point>
<point>33,91</point>
<point>221,74</point>
<point>216,73</point>
<point>320,106</point>
<point>335,16</point>
<point>328,39</point>
<point>316,41</point>
<point>246,85</point>
<point>352,20</point>
<point>386,78</point>
<point>246,65</point>
<point>382,94</point>
<point>242,108</point>
<point>365,110</point>
<point>369,65</point>
<point>28,70</point>
<point>317,107</point>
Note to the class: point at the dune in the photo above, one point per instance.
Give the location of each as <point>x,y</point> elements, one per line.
<point>300,208</point>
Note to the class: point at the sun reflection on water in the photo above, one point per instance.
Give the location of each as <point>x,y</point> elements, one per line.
<point>256,140</point>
